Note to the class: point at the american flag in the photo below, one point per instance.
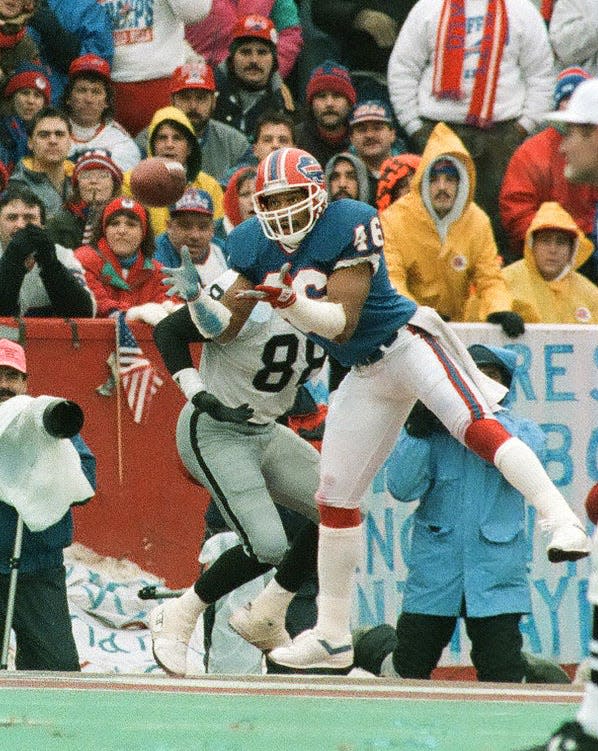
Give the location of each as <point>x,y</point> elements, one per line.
<point>138,377</point>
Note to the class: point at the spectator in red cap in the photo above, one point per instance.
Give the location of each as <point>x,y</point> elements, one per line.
<point>212,36</point>
<point>191,224</point>
<point>330,96</point>
<point>67,29</point>
<point>88,101</point>
<point>248,81</point>
<point>96,181</point>
<point>16,45</point>
<point>149,44</point>
<point>193,90</point>
<point>119,265</point>
<point>25,93</point>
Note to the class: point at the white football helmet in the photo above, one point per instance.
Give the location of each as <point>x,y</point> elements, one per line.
<point>281,171</point>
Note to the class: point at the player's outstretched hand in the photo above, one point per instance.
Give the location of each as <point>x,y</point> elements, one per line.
<point>203,401</point>
<point>279,295</point>
<point>184,280</point>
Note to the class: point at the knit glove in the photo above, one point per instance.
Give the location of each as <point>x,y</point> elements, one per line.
<point>43,248</point>
<point>382,28</point>
<point>149,312</point>
<point>203,401</point>
<point>19,248</point>
<point>183,280</point>
<point>512,323</point>
<point>421,422</point>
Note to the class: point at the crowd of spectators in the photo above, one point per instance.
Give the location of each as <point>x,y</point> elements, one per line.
<point>89,90</point>
<point>451,143</point>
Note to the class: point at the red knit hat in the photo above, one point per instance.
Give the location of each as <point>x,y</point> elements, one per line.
<point>90,63</point>
<point>255,26</point>
<point>96,159</point>
<point>195,75</point>
<point>29,76</point>
<point>125,204</point>
<point>331,76</point>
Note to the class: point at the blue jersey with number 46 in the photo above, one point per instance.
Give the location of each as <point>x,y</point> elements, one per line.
<point>348,232</point>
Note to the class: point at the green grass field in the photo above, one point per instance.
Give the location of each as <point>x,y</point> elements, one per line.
<point>129,713</point>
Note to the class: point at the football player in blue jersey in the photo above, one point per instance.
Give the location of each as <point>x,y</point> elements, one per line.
<point>322,268</point>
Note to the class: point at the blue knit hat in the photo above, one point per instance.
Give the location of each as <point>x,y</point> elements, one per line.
<point>444,166</point>
<point>566,83</point>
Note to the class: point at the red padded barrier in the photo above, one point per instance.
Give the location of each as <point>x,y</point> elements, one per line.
<point>153,515</point>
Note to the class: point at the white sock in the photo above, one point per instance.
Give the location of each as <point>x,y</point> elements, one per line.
<point>272,603</point>
<point>522,468</point>
<point>189,604</point>
<point>588,712</point>
<point>339,553</point>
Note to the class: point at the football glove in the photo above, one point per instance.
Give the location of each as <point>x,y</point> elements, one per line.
<point>512,323</point>
<point>203,401</point>
<point>279,295</point>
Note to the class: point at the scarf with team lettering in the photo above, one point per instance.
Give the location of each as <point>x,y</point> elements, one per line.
<point>450,54</point>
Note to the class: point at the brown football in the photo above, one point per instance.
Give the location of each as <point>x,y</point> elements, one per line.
<point>158,181</point>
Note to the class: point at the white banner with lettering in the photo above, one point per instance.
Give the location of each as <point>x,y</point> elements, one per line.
<point>556,384</point>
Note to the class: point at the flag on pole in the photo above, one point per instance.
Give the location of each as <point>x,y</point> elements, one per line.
<point>138,377</point>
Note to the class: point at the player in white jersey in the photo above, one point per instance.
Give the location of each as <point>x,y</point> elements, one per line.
<point>228,439</point>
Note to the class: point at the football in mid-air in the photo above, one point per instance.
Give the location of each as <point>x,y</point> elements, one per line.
<point>158,181</point>
<point>592,504</point>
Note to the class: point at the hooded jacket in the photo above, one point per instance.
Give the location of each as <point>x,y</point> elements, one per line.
<point>195,177</point>
<point>434,261</point>
<point>468,542</point>
<point>571,298</point>
<point>360,169</point>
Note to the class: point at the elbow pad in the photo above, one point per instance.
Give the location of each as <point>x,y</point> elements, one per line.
<point>320,317</point>
<point>211,317</point>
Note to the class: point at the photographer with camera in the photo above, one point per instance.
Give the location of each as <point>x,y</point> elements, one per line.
<point>45,467</point>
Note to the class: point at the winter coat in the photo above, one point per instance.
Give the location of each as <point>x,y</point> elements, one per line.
<point>308,137</point>
<point>526,76</point>
<point>574,34</point>
<point>104,275</point>
<point>360,169</point>
<point>359,51</point>
<point>436,261</point>
<point>535,175</point>
<point>214,264</point>
<point>85,20</point>
<point>229,105</point>
<point>27,177</point>
<point>468,538</point>
<point>569,299</point>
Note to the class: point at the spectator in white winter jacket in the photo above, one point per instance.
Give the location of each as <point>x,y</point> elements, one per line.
<point>149,43</point>
<point>491,84</point>
<point>574,33</point>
